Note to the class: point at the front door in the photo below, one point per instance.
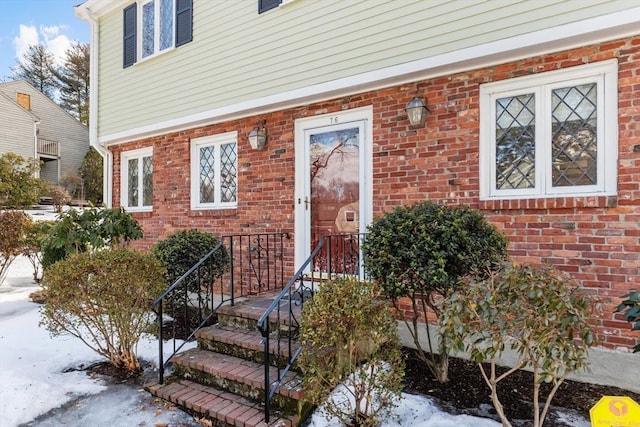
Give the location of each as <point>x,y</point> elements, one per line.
<point>333,194</point>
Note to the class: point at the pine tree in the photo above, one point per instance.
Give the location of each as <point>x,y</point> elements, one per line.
<point>35,67</point>
<point>72,79</point>
<point>91,173</point>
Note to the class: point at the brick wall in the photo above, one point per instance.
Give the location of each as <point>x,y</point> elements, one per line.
<point>596,239</point>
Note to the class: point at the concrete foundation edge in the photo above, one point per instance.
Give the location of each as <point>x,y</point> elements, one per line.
<point>606,367</point>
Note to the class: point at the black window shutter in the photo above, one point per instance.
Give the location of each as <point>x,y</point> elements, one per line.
<point>264,5</point>
<point>184,21</point>
<point>129,36</point>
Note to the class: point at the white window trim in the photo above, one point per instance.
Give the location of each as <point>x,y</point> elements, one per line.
<point>156,30</point>
<point>604,73</point>
<point>217,141</point>
<point>125,156</point>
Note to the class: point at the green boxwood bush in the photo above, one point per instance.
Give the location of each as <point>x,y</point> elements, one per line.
<point>103,298</point>
<point>421,252</point>
<point>183,249</point>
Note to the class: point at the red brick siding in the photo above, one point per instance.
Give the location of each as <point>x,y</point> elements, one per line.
<point>596,239</point>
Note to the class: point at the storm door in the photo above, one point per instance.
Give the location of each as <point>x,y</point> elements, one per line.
<point>333,195</point>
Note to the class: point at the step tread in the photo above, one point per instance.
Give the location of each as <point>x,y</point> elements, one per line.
<point>244,338</point>
<point>253,309</point>
<point>239,370</point>
<point>223,406</point>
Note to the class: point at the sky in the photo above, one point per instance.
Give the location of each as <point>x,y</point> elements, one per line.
<point>26,22</point>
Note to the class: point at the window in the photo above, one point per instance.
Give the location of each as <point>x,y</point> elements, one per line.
<point>136,176</point>
<point>214,171</point>
<point>264,5</point>
<point>155,26</point>
<point>552,134</point>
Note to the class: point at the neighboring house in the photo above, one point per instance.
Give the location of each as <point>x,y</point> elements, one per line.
<point>33,126</point>
<point>533,118</point>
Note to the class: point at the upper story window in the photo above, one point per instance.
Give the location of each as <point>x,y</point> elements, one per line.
<point>136,176</point>
<point>552,134</point>
<point>154,26</point>
<point>264,5</point>
<point>214,171</point>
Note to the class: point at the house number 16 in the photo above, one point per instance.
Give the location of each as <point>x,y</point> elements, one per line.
<point>333,120</point>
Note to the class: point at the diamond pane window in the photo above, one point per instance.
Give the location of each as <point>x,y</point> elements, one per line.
<point>137,179</point>
<point>166,24</point>
<point>133,182</point>
<point>552,134</point>
<point>147,181</point>
<point>574,135</point>
<point>228,172</point>
<point>207,174</point>
<point>148,28</point>
<point>515,142</point>
<point>214,171</point>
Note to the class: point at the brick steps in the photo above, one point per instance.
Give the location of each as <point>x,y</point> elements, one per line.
<point>222,380</point>
<point>243,343</point>
<point>222,408</point>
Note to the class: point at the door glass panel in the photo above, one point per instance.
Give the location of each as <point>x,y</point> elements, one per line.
<point>334,169</point>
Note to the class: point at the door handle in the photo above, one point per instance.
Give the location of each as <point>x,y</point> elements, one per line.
<point>306,203</point>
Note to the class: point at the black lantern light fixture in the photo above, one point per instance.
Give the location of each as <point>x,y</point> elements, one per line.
<point>258,135</point>
<point>417,111</point>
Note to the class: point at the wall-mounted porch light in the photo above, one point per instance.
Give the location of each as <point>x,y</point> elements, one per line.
<point>417,111</point>
<point>258,135</point>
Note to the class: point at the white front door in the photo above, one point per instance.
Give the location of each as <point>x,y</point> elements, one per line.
<point>333,177</point>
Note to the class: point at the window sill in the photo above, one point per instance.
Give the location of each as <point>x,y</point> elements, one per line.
<point>550,203</point>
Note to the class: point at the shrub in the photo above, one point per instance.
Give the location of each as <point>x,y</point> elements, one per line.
<point>59,197</point>
<point>631,307</point>
<point>91,172</point>
<point>35,235</point>
<point>183,249</point>
<point>421,252</point>
<point>102,298</point>
<point>13,226</point>
<point>532,311</point>
<point>356,354</point>
<point>72,183</point>
<point>87,230</point>
<point>19,186</point>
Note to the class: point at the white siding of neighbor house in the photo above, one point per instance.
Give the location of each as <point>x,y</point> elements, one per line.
<point>56,125</point>
<point>238,55</point>
<point>16,128</point>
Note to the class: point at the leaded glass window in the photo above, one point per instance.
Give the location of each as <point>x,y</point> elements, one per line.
<point>137,179</point>
<point>214,171</point>
<point>148,29</point>
<point>166,24</point>
<point>515,142</point>
<point>228,172</point>
<point>158,18</point>
<point>551,134</point>
<point>147,181</point>
<point>133,182</point>
<point>574,135</point>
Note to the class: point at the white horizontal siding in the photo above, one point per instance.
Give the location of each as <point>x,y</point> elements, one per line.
<point>238,55</point>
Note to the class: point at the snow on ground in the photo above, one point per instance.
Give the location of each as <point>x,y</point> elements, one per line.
<point>42,384</point>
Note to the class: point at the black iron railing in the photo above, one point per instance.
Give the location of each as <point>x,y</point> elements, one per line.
<point>334,256</point>
<point>239,266</point>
